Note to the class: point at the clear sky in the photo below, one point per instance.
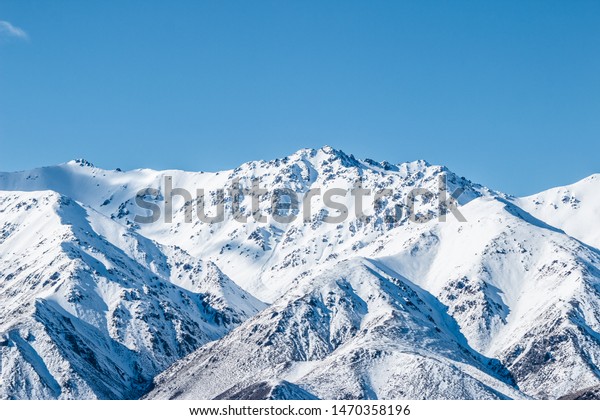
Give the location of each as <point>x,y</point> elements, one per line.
<point>506,93</point>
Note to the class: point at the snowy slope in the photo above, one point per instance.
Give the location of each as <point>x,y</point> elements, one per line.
<point>83,318</point>
<point>252,253</point>
<point>573,208</point>
<point>504,305</point>
<point>521,291</point>
<point>352,332</point>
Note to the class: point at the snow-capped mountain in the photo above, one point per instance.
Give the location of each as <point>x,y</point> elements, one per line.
<point>503,303</point>
<point>353,332</point>
<point>575,208</point>
<point>84,317</point>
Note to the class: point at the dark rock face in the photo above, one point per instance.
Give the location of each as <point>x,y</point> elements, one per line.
<point>592,393</point>
<point>267,391</point>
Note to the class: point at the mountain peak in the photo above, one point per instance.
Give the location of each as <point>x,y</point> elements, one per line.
<point>331,151</point>
<point>81,162</point>
<point>326,155</point>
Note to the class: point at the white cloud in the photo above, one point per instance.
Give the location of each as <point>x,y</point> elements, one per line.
<point>7,30</point>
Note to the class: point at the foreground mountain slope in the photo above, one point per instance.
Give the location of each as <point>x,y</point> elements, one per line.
<point>521,291</point>
<point>523,295</point>
<point>81,318</point>
<point>592,393</point>
<point>352,332</point>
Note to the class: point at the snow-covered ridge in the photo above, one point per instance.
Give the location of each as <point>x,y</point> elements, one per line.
<point>573,208</point>
<point>95,305</point>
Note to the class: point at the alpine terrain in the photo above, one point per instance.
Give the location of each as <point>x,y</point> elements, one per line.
<point>113,285</point>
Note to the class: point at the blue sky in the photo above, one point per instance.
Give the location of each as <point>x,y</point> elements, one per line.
<point>506,93</point>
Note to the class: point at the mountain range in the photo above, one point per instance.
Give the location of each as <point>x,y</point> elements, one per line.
<point>403,303</point>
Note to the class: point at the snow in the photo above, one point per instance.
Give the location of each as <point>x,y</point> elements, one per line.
<point>96,305</point>
<point>572,208</point>
<point>79,310</point>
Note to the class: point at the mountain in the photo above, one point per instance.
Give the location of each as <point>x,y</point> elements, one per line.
<point>252,253</point>
<point>353,332</point>
<point>573,208</point>
<point>84,317</point>
<point>485,296</point>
